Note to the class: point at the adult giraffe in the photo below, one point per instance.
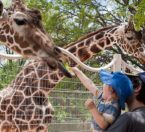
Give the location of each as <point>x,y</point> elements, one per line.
<point>22,31</point>
<point>24,105</point>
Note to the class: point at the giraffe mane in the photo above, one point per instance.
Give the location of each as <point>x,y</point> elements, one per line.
<point>89,35</point>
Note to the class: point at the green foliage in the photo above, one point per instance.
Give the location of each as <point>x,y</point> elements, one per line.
<point>140,15</point>
<point>8,72</point>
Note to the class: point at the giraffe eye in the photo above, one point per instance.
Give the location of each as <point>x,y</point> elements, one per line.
<point>20,22</point>
<point>129,38</point>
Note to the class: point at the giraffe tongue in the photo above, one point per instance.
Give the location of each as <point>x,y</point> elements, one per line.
<point>64,70</point>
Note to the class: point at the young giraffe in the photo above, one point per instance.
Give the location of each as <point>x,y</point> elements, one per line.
<point>22,31</point>
<point>24,104</point>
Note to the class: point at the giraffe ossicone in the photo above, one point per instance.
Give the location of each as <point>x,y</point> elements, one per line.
<point>22,31</point>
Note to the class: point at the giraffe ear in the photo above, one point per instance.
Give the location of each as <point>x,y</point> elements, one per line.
<point>130,24</point>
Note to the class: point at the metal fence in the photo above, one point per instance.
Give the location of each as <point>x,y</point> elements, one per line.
<point>67,98</point>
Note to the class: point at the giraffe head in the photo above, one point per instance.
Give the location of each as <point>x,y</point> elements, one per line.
<point>22,31</point>
<point>134,44</point>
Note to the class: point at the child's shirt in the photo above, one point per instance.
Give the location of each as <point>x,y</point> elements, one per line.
<point>110,111</point>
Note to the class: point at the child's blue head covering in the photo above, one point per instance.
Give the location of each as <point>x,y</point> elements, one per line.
<point>120,83</point>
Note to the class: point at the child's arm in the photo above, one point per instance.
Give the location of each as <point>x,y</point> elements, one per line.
<point>86,81</point>
<point>99,118</point>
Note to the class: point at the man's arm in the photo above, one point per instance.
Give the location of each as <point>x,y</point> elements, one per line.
<point>86,81</point>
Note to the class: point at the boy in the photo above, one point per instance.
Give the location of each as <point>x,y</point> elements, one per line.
<point>117,87</point>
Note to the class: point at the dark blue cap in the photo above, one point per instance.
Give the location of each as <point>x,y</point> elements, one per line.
<point>142,76</point>
<point>120,83</point>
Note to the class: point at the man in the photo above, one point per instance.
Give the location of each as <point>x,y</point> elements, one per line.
<point>134,120</point>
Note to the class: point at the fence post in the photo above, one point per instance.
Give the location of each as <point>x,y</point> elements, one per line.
<point>117,64</point>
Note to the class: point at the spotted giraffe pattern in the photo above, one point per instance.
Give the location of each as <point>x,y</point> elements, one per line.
<point>24,104</point>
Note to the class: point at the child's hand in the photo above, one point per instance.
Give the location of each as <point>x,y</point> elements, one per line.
<point>90,104</point>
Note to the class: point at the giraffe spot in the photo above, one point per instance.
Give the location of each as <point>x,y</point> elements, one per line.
<point>28,70</point>
<point>112,39</point>
<point>25,104</point>
<point>15,48</point>
<point>9,110</point>
<point>95,49</point>
<point>46,85</point>
<point>4,104</point>
<point>28,52</point>
<point>17,99</point>
<point>101,43</point>
<point>47,119</point>
<point>24,44</point>
<point>83,54</point>
<point>88,41</point>
<point>27,91</point>
<point>39,98</point>
<point>3,38</point>
<point>3,24</point>
<point>19,114</point>
<point>54,77</point>
<point>31,81</point>
<point>22,125</point>
<point>2,116</point>
<point>47,111</point>
<point>1,32</point>
<point>107,41</point>
<point>38,113</point>
<point>41,73</point>
<point>99,35</point>
<point>6,28</point>
<point>11,31</point>
<point>17,38</point>
<point>36,47</point>
<point>40,128</point>
<point>34,123</point>
<point>10,39</point>
<point>29,112</point>
<point>72,49</point>
<point>10,117</point>
<point>81,44</point>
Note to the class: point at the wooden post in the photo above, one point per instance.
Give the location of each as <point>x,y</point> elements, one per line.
<point>117,64</point>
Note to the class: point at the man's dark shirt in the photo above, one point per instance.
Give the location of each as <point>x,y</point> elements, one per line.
<point>133,121</point>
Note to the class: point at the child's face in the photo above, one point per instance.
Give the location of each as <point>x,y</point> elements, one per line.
<point>107,91</point>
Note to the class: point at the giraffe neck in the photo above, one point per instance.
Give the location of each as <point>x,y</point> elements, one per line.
<point>95,42</point>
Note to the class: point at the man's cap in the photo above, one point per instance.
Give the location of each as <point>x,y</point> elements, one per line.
<point>120,83</point>
<point>140,75</point>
